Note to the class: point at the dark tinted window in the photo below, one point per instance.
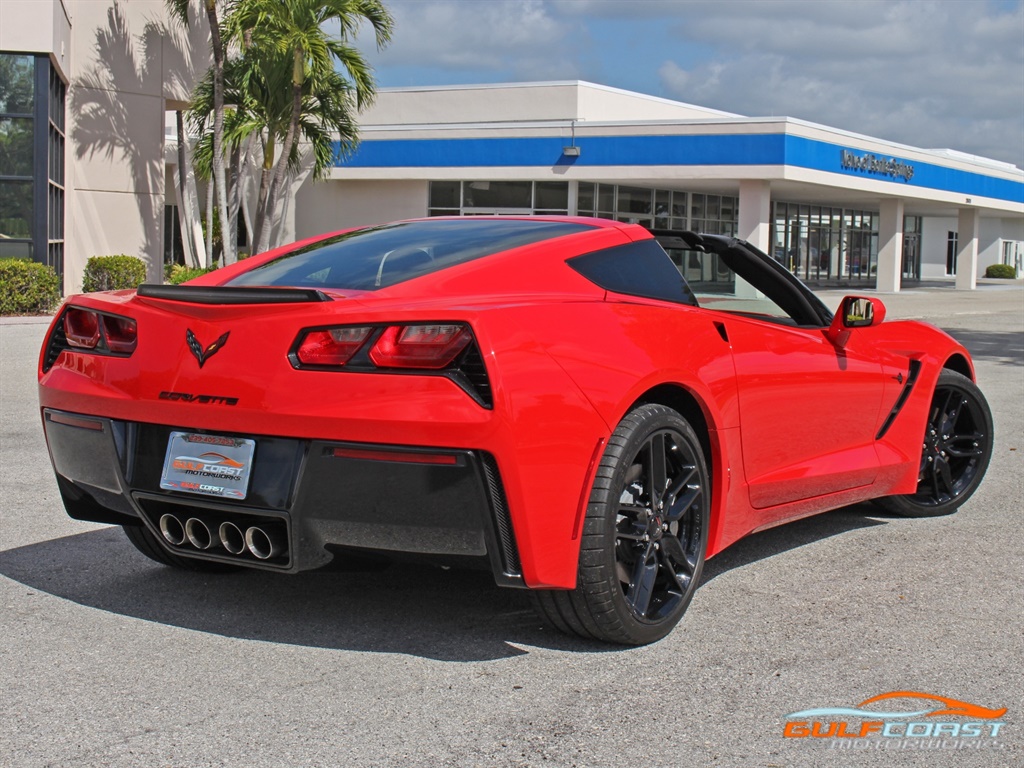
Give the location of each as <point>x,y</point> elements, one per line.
<point>636,269</point>
<point>368,259</point>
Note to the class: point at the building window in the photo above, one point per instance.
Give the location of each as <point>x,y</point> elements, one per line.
<point>911,247</point>
<point>819,243</point>
<point>32,98</point>
<point>484,198</point>
<point>17,154</point>
<point>951,249</point>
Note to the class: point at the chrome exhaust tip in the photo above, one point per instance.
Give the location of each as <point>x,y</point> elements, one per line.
<point>262,545</point>
<point>199,534</point>
<point>232,538</point>
<point>172,530</point>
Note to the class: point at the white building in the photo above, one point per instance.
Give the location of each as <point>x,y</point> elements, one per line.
<point>833,206</point>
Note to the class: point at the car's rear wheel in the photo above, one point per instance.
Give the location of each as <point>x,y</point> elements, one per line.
<point>148,544</point>
<point>644,535</point>
<point>955,453</point>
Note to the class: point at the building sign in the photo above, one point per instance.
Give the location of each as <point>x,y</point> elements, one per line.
<point>875,165</point>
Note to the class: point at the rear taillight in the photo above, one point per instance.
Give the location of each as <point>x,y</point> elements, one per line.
<point>420,346</point>
<point>333,346</point>
<point>85,329</point>
<point>82,328</point>
<point>121,334</point>
<point>438,349</point>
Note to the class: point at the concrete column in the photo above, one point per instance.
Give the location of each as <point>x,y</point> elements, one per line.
<point>890,246</point>
<point>967,249</point>
<point>755,213</point>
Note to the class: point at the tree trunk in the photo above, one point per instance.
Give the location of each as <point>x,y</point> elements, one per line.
<point>209,223</point>
<point>280,171</point>
<point>184,213</point>
<point>261,198</point>
<point>219,174</point>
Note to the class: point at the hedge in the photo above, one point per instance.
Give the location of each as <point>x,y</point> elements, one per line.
<point>1005,271</point>
<point>27,287</point>
<point>113,273</point>
<point>179,274</point>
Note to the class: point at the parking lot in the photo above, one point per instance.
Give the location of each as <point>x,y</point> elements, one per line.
<point>107,659</point>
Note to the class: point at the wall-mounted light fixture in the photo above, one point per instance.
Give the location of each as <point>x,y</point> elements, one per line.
<point>572,150</point>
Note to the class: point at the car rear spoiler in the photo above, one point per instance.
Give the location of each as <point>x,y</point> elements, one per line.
<point>196,294</point>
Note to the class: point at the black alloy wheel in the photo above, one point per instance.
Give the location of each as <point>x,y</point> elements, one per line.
<point>956,450</point>
<point>644,536</point>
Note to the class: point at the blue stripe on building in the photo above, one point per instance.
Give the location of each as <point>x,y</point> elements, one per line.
<point>724,150</point>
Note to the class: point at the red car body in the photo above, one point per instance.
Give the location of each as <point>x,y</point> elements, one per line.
<point>794,417</point>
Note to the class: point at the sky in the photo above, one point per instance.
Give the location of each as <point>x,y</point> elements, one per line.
<point>928,73</point>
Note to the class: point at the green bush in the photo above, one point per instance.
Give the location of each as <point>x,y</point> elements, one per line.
<point>113,273</point>
<point>1005,271</point>
<point>179,274</point>
<point>27,287</point>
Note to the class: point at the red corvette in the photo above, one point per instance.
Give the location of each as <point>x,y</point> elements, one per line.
<point>583,407</point>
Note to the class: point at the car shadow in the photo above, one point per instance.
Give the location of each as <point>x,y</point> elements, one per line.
<point>782,538</point>
<point>446,615</point>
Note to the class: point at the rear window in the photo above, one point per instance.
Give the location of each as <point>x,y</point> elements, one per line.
<point>368,259</point>
<point>635,269</point>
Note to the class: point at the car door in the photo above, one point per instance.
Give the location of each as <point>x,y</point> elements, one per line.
<point>809,409</point>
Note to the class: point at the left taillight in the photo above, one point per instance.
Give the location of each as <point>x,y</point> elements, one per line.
<point>99,332</point>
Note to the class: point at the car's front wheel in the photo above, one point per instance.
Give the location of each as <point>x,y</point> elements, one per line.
<point>644,535</point>
<point>956,450</point>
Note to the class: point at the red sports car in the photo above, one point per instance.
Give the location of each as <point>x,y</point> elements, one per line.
<point>584,407</point>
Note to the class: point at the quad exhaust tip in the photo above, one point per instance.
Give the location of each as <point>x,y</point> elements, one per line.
<point>232,538</point>
<point>172,530</point>
<point>199,535</point>
<point>262,544</point>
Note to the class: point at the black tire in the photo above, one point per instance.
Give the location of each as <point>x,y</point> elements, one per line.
<point>956,451</point>
<point>642,550</point>
<point>147,543</point>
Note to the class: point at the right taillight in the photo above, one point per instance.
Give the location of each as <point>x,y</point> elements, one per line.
<point>431,347</point>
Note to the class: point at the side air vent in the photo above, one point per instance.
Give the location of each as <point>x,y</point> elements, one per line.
<point>58,343</point>
<point>502,520</point>
<point>471,374</point>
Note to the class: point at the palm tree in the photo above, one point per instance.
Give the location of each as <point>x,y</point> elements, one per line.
<point>257,85</point>
<point>290,38</point>
<point>179,10</point>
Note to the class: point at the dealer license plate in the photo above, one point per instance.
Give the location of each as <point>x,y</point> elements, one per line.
<point>208,464</point>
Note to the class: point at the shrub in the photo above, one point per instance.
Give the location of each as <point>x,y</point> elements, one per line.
<point>1005,271</point>
<point>179,274</point>
<point>113,273</point>
<point>27,287</point>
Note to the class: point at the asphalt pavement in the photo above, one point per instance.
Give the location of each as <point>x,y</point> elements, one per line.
<point>107,659</point>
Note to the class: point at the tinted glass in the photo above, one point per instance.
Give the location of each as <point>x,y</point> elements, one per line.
<point>17,88</point>
<point>368,259</point>
<point>636,269</point>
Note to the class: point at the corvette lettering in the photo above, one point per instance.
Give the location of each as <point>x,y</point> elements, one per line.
<point>188,397</point>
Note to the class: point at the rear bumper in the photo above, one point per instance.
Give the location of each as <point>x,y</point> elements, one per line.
<point>315,496</point>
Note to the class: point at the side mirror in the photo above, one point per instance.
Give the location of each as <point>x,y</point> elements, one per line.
<point>854,312</point>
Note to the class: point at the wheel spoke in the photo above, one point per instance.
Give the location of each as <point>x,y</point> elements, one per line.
<point>642,579</point>
<point>673,550</point>
<point>686,474</point>
<point>973,446</point>
<point>683,503</point>
<point>943,472</point>
<point>657,472</point>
